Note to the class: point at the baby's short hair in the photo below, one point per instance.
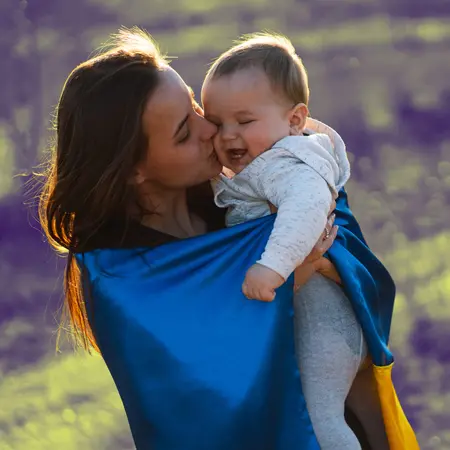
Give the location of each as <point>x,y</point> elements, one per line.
<point>275,55</point>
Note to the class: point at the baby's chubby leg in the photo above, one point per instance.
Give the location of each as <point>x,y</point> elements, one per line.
<point>329,348</point>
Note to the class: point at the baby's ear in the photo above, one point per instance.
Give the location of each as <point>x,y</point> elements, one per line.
<point>297,119</point>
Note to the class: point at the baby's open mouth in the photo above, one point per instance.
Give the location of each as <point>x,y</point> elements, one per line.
<point>236,153</point>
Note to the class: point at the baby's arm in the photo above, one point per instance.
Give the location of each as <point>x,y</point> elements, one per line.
<point>303,199</point>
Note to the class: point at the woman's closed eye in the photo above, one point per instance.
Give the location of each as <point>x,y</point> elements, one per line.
<point>185,136</point>
<point>184,133</point>
<point>245,122</point>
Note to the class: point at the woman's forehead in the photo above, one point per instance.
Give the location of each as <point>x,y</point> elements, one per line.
<point>170,102</point>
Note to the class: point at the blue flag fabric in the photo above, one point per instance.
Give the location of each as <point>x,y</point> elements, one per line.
<point>197,365</point>
<point>366,282</point>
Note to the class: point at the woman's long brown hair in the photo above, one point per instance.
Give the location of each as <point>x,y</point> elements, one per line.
<point>99,141</point>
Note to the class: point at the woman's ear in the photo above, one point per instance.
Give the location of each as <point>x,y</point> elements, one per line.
<point>137,177</point>
<point>297,119</point>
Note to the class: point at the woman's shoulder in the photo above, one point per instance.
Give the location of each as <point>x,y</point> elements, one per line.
<point>123,234</point>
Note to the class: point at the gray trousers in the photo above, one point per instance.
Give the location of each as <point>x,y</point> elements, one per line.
<point>331,352</point>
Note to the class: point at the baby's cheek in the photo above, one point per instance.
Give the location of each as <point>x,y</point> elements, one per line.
<point>216,143</point>
<point>276,129</point>
<point>260,139</point>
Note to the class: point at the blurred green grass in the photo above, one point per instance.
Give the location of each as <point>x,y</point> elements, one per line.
<point>64,402</point>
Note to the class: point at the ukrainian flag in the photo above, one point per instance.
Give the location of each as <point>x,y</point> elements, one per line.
<point>200,367</point>
<point>372,292</point>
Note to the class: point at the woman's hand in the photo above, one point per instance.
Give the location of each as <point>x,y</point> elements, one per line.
<point>325,267</point>
<point>325,241</point>
<point>315,262</point>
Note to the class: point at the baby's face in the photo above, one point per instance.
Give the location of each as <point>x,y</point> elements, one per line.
<point>250,116</point>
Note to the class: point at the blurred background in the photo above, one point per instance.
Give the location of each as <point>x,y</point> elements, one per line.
<point>379,74</point>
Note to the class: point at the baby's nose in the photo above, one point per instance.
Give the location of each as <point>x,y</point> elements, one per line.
<point>228,133</point>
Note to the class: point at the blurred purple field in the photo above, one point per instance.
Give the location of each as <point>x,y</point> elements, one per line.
<point>378,73</point>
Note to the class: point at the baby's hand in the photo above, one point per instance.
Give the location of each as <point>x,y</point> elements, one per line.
<point>260,283</point>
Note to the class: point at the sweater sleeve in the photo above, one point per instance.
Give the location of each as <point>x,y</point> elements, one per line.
<point>303,198</point>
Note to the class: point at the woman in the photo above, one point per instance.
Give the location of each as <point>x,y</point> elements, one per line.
<point>196,365</point>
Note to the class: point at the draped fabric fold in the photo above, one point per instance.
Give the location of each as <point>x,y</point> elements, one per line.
<point>200,367</point>
<point>371,291</point>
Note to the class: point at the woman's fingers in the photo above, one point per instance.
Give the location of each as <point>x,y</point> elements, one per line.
<point>333,206</point>
<point>326,232</point>
<point>327,269</point>
<point>302,274</point>
<point>325,241</point>
<point>328,241</point>
<point>329,225</point>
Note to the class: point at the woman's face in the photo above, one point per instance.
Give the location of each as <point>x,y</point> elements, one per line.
<point>180,151</point>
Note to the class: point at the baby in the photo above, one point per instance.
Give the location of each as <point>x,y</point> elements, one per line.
<point>258,96</point>
<point>274,154</point>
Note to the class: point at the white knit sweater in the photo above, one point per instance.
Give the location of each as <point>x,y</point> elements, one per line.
<point>300,176</point>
